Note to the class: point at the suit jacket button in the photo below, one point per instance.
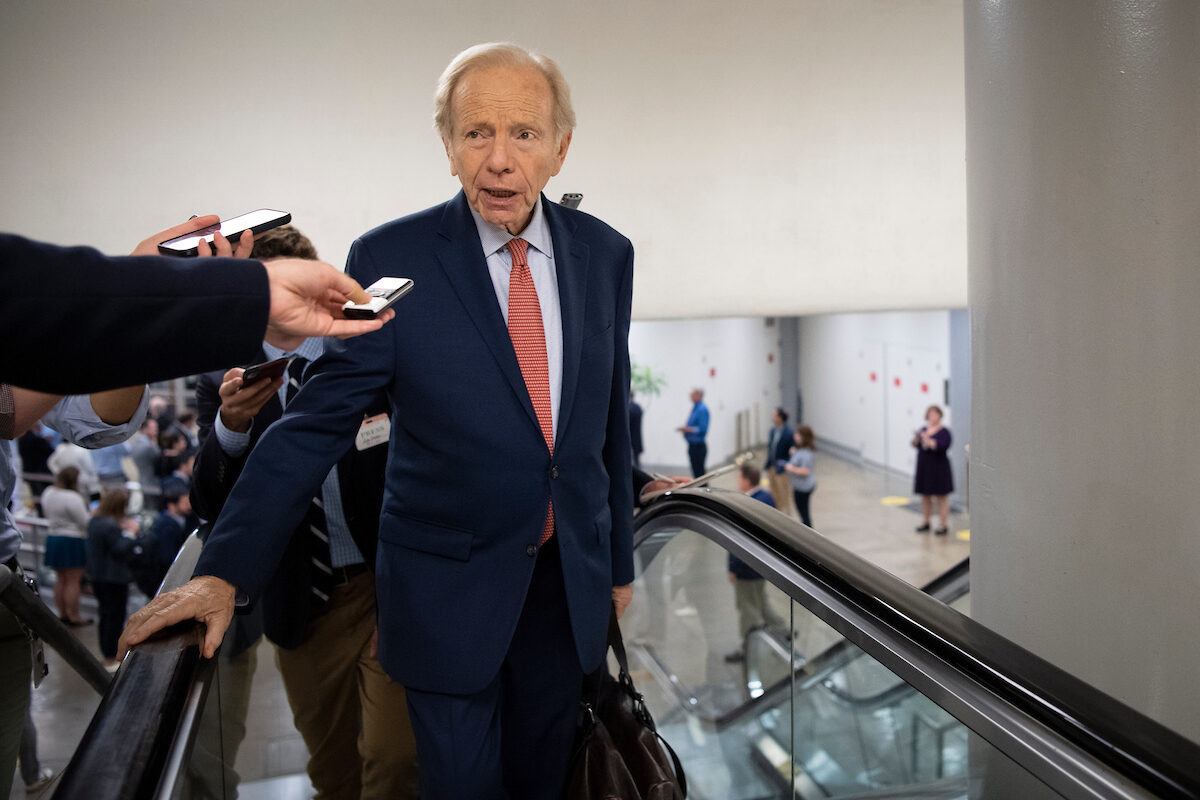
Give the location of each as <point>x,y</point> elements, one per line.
<point>531,551</point>
<point>554,473</point>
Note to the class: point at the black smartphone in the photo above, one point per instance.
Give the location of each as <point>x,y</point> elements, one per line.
<point>571,199</point>
<point>256,222</point>
<point>384,292</point>
<point>269,370</point>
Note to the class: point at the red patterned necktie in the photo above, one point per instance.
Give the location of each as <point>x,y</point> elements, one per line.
<point>529,342</point>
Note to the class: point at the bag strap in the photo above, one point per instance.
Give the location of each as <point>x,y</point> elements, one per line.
<point>617,643</point>
<point>680,778</point>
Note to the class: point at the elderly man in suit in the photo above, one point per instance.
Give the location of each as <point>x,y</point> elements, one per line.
<point>506,531</point>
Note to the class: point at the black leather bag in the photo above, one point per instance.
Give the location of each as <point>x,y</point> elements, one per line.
<point>619,755</point>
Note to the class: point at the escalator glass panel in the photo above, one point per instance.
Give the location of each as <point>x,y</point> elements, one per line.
<point>763,699</point>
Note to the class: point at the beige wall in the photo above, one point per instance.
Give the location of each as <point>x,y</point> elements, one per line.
<point>765,157</point>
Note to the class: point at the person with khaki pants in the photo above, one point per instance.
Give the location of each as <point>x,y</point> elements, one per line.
<point>779,442</point>
<point>319,604</point>
<point>337,688</point>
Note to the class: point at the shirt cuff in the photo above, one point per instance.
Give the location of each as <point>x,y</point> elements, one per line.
<point>74,418</point>
<point>233,443</point>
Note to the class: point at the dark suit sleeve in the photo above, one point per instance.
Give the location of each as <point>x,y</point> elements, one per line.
<point>215,471</point>
<point>118,321</point>
<point>293,456</point>
<point>640,479</point>
<point>618,455</point>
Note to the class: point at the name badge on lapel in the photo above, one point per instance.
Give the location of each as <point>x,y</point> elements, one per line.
<point>374,431</point>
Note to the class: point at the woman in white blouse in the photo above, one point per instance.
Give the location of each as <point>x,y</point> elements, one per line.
<point>66,550</point>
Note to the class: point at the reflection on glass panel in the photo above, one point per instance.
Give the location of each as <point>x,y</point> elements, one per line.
<point>860,731</point>
<point>684,634</point>
<point>209,772</point>
<point>763,700</point>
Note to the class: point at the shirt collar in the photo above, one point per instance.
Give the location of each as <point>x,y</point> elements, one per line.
<point>537,233</point>
<point>310,349</point>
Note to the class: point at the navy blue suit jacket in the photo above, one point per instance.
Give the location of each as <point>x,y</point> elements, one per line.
<point>778,450</point>
<point>469,476</point>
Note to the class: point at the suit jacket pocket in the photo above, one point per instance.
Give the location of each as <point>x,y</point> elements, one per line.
<point>598,343</point>
<point>426,537</point>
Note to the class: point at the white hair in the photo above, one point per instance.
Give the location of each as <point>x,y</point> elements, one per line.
<point>502,54</point>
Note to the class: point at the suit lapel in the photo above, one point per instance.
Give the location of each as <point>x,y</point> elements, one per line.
<point>460,254</point>
<point>571,259</point>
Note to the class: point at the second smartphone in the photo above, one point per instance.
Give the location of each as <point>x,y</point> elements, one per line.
<point>264,219</point>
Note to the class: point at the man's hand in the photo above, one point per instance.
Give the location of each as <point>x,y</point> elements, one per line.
<point>659,485</point>
<point>307,299</point>
<point>206,599</point>
<point>241,403</point>
<point>621,597</point>
<point>222,248</point>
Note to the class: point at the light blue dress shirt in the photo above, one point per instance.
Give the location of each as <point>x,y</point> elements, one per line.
<point>540,256</point>
<point>342,549</point>
<point>74,418</point>
<point>107,460</point>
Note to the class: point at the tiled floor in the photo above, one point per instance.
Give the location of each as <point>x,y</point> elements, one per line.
<point>846,508</point>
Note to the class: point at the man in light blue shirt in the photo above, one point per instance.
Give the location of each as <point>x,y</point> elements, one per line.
<point>695,431</point>
<point>75,418</point>
<point>107,461</point>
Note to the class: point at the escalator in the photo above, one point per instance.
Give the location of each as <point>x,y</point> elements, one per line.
<point>872,689</point>
<point>862,686</point>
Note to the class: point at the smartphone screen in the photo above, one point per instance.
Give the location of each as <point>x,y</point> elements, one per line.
<point>384,292</point>
<point>258,221</point>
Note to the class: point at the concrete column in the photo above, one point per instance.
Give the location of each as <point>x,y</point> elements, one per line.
<point>960,402</point>
<point>1083,187</point>
<point>789,368</point>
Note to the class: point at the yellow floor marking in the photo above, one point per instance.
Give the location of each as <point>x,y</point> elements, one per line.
<point>965,535</point>
<point>894,501</point>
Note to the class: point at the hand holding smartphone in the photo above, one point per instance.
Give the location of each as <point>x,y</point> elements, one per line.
<point>264,219</point>
<point>384,294</point>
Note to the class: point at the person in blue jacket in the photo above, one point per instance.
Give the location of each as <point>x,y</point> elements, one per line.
<point>749,588</point>
<point>695,431</point>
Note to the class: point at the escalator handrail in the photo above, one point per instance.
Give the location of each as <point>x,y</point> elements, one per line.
<point>33,613</point>
<point>141,722</point>
<point>1138,747</point>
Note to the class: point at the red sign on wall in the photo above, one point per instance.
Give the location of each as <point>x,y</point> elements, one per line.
<point>712,372</point>
<point>874,377</point>
<point>924,388</point>
<point>897,383</point>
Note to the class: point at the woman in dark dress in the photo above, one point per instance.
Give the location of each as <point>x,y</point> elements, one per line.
<point>111,541</point>
<point>933,479</point>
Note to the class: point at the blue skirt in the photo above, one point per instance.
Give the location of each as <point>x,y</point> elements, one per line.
<point>65,552</point>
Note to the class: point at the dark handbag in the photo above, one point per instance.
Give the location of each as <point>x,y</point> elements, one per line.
<point>619,755</point>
